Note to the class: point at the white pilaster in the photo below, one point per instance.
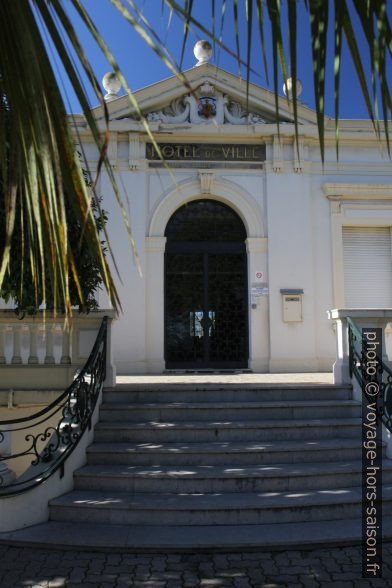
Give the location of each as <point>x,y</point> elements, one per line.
<point>110,380</point>
<point>277,154</point>
<point>258,311</point>
<point>155,249</point>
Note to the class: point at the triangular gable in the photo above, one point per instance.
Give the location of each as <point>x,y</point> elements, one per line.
<point>218,96</point>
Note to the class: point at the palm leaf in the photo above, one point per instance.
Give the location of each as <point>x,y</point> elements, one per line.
<point>132,100</point>
<point>274,11</point>
<point>223,13</point>
<point>382,46</point>
<point>319,19</point>
<point>237,35</point>
<point>213,21</point>
<point>337,67</point>
<point>188,10</point>
<point>42,150</point>
<point>356,57</point>
<point>366,17</point>
<point>260,18</point>
<point>292,18</point>
<point>249,18</point>
<point>179,10</point>
<point>318,10</point>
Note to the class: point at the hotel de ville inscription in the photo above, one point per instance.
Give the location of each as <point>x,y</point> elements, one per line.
<point>207,152</point>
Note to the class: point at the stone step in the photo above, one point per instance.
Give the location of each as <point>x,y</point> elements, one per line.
<point>224,393</point>
<point>204,431</point>
<point>207,411</point>
<point>224,453</point>
<point>209,479</point>
<point>212,509</point>
<point>212,538</point>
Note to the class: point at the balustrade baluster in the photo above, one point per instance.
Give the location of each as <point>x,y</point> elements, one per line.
<point>33,330</point>
<point>49,356</point>
<point>2,343</point>
<point>16,354</point>
<point>66,344</point>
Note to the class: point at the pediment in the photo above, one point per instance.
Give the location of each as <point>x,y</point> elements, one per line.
<point>217,97</point>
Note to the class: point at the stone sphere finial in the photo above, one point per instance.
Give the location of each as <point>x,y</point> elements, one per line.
<point>288,88</point>
<point>202,51</point>
<point>111,84</point>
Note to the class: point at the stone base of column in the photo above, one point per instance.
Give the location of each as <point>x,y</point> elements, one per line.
<point>341,372</point>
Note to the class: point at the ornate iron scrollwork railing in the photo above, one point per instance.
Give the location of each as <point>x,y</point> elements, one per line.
<point>52,434</point>
<point>358,369</point>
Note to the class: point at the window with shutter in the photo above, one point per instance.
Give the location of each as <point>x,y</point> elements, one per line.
<point>367,260</point>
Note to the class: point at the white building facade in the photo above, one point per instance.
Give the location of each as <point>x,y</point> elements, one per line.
<point>243,241</point>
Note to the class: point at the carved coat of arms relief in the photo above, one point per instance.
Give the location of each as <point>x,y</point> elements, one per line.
<point>205,106</point>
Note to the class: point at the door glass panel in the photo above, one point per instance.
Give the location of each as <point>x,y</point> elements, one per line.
<point>227,294</point>
<point>184,299</point>
<point>197,323</point>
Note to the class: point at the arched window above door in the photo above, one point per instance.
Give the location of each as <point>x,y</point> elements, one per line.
<point>205,220</point>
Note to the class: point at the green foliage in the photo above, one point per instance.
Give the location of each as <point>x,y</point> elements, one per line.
<point>18,284</point>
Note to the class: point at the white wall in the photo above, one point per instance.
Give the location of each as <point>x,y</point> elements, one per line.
<point>296,250</point>
<point>295,247</point>
<point>129,329</point>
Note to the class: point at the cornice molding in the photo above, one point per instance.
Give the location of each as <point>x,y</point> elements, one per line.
<point>353,191</point>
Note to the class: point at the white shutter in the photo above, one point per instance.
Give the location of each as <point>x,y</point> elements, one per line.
<point>367,258</point>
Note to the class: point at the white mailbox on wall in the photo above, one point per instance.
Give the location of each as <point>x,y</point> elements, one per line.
<point>292,305</point>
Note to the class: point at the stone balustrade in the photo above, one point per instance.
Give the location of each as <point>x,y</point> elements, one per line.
<point>44,351</point>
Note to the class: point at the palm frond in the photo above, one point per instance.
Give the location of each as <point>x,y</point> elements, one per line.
<point>40,167</point>
<point>260,18</point>
<point>249,19</point>
<point>375,20</point>
<point>292,18</point>
<point>337,67</point>
<point>319,14</point>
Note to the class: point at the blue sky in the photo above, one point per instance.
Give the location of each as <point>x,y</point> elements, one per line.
<point>142,67</point>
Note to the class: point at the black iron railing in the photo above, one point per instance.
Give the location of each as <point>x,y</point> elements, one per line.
<point>49,436</point>
<point>358,369</point>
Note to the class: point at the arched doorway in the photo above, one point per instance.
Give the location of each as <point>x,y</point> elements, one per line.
<point>206,310</point>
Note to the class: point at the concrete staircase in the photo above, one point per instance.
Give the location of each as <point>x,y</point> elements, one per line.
<point>223,467</point>
<point>216,467</point>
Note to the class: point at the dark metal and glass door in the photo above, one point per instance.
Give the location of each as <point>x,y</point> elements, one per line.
<point>206,311</point>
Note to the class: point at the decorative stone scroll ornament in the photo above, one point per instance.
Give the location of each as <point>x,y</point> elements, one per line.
<point>205,107</point>
<point>177,112</point>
